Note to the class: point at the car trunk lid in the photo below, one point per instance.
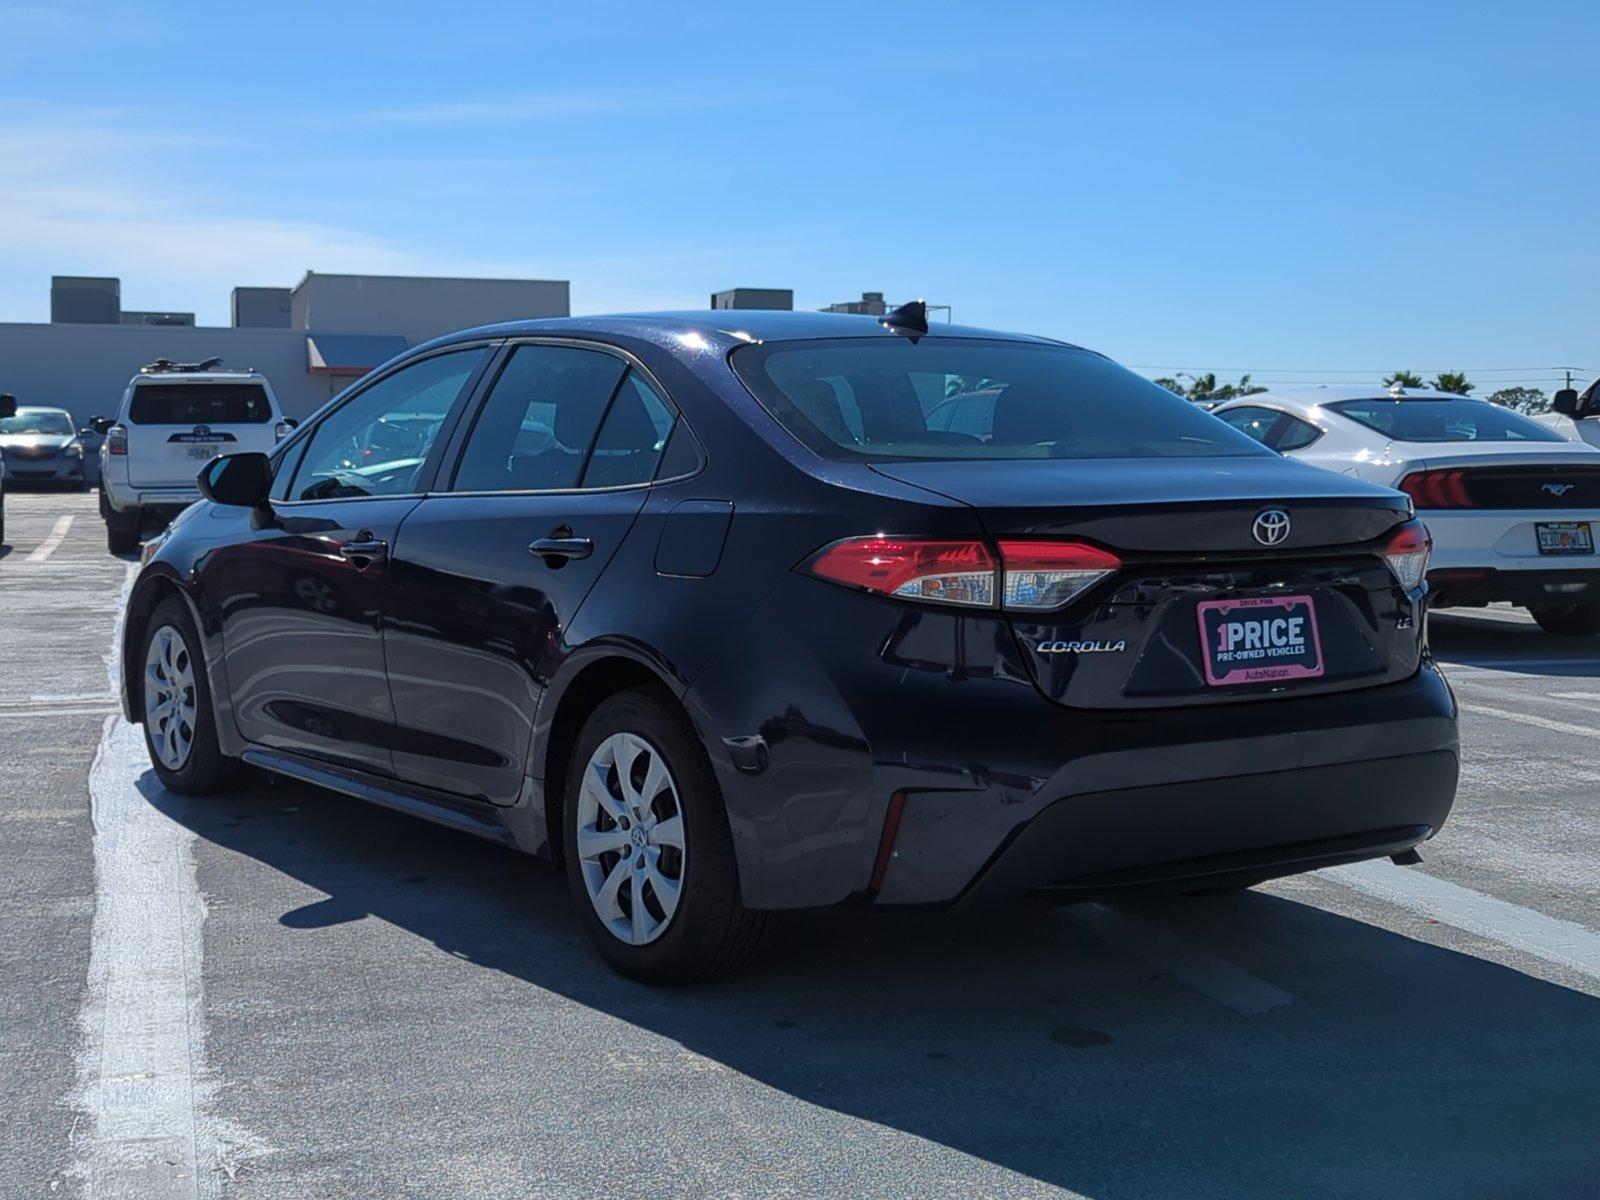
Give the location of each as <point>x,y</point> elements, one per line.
<point>1194,574</point>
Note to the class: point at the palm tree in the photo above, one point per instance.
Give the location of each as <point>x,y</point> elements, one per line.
<point>1452,381</point>
<point>1405,379</point>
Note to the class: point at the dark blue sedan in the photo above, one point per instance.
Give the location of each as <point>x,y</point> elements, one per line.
<point>735,612</point>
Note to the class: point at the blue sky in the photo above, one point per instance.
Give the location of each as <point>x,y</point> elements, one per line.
<point>1304,191</point>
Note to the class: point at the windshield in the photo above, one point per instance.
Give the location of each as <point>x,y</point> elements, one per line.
<point>199,404</point>
<point>1463,420</point>
<point>950,398</point>
<point>41,421</point>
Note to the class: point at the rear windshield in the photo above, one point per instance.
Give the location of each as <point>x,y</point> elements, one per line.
<point>199,404</point>
<point>37,422</point>
<point>1464,420</point>
<point>955,398</point>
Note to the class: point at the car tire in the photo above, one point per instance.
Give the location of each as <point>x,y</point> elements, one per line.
<point>706,931</point>
<point>1570,620</point>
<point>174,697</point>
<point>122,529</point>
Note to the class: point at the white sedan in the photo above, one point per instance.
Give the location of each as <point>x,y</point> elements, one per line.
<point>1511,504</point>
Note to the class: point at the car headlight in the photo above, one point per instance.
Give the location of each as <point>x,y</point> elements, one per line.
<point>74,449</point>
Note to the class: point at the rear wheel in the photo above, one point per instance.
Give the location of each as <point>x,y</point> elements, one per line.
<point>175,695</point>
<point>122,529</point>
<point>649,854</point>
<point>1571,620</point>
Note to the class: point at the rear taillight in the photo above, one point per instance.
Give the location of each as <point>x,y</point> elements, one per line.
<point>1032,576</point>
<point>1407,554</point>
<point>912,568</point>
<point>1437,489</point>
<point>117,440</point>
<point>282,430</point>
<point>1045,575</point>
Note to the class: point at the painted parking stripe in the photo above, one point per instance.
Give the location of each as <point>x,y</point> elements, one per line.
<point>143,1083</point>
<point>1566,942</point>
<point>1157,946</point>
<point>1521,718</point>
<point>58,534</point>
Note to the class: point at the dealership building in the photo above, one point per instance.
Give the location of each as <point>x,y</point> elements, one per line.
<point>310,340</point>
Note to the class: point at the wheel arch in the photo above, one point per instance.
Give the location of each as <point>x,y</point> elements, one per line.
<point>148,591</point>
<point>597,679</point>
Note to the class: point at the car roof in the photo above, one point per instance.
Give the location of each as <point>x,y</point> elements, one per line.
<point>1310,396</point>
<point>187,376</point>
<point>40,408</point>
<point>725,328</point>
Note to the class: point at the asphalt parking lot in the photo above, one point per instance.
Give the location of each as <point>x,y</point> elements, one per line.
<point>286,993</point>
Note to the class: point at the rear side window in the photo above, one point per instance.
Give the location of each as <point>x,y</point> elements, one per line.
<point>1293,434</point>
<point>957,398</point>
<point>199,404</point>
<point>540,421</point>
<point>633,437</point>
<point>1252,421</point>
<point>1463,420</point>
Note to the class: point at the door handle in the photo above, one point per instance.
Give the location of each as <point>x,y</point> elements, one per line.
<point>370,548</point>
<point>561,547</point>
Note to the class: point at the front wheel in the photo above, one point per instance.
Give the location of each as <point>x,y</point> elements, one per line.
<point>1570,620</point>
<point>180,728</point>
<point>649,853</point>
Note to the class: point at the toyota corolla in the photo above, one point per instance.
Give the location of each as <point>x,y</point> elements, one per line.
<point>705,608</point>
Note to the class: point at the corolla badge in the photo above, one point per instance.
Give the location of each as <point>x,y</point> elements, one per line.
<point>1271,526</point>
<point>1082,647</point>
<point>1557,489</point>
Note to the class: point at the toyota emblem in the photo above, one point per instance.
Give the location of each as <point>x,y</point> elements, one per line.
<point>1271,527</point>
<point>202,431</point>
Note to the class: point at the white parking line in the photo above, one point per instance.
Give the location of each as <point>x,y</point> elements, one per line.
<point>57,535</point>
<point>142,1077</point>
<point>1158,946</point>
<point>1566,942</point>
<point>1521,718</point>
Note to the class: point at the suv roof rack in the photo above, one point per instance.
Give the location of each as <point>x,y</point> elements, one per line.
<point>162,366</point>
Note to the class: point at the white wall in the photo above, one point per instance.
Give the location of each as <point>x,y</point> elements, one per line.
<point>84,368</point>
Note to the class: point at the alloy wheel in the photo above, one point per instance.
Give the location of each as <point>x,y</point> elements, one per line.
<point>631,844</point>
<point>169,697</point>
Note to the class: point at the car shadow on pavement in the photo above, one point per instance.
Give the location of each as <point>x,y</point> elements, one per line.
<point>1398,1069</point>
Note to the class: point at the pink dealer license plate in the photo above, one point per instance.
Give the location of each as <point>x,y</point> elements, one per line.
<point>1260,639</point>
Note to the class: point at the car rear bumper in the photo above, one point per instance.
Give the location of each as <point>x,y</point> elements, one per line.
<point>916,764</point>
<point>1216,832</point>
<point>124,496</point>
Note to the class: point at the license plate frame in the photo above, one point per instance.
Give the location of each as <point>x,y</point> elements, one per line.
<point>1285,645</point>
<point>1552,538</point>
<point>202,451</point>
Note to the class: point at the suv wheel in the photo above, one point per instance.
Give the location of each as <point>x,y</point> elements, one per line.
<point>122,529</point>
<point>179,726</point>
<point>649,854</point>
<point>1573,620</point>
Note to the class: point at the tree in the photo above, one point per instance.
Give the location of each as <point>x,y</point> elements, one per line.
<point>1405,379</point>
<point>1205,387</point>
<point>1452,381</point>
<point>1521,399</point>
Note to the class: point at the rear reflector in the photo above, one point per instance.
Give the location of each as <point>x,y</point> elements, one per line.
<point>912,568</point>
<point>1046,575</point>
<point>1407,554</point>
<point>1034,576</point>
<point>1437,489</point>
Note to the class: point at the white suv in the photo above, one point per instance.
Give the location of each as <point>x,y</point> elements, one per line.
<point>174,418</point>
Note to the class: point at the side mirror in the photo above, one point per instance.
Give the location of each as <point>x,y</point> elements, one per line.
<point>1565,402</point>
<point>244,480</point>
<point>101,425</point>
<point>8,406</point>
<point>292,422</point>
